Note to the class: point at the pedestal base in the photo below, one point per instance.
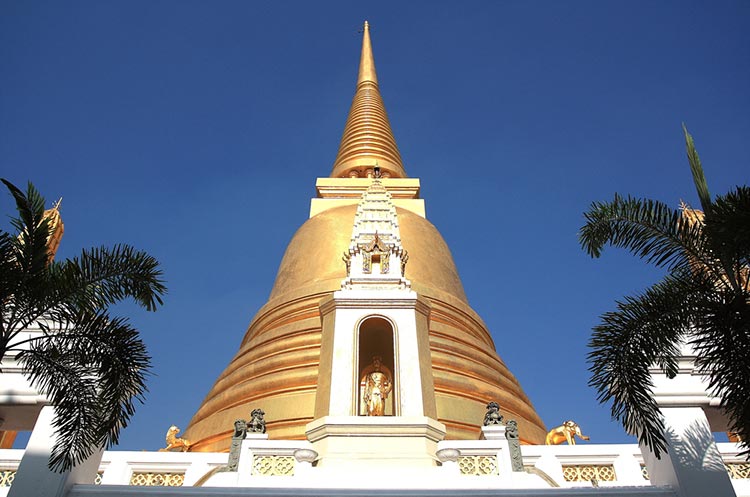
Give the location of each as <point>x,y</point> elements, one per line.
<point>365,442</point>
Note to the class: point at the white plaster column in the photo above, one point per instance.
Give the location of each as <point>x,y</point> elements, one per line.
<point>118,470</point>
<point>34,478</point>
<point>196,471</point>
<point>550,465</point>
<point>496,435</point>
<point>692,464</point>
<point>627,468</point>
<point>342,389</point>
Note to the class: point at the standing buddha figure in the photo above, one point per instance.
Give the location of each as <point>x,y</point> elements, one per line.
<point>378,383</point>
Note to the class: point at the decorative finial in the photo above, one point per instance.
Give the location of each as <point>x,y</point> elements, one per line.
<point>367,61</point>
<point>56,229</point>
<point>367,134</point>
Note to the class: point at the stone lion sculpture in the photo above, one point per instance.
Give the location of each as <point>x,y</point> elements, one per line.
<point>257,424</point>
<point>493,416</point>
<point>566,432</point>
<point>174,442</point>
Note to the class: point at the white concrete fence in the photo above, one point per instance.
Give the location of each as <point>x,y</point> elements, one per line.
<point>561,466</point>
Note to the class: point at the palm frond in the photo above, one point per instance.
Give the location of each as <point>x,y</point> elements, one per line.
<point>644,330</point>
<point>705,297</point>
<point>102,276</point>
<point>111,363</point>
<point>33,230</point>
<point>30,205</point>
<point>91,367</point>
<point>8,273</point>
<point>72,389</point>
<point>728,233</point>
<point>699,178</point>
<point>722,341</point>
<point>649,229</point>
<point>97,279</point>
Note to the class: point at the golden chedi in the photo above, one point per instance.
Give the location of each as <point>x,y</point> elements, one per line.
<point>279,366</point>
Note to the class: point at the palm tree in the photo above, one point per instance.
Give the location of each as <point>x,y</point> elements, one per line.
<point>704,300</point>
<point>90,365</point>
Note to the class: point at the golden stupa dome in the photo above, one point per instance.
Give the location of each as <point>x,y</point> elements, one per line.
<point>278,365</point>
<point>322,239</point>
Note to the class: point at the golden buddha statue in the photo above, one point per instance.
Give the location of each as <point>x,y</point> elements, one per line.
<point>377,384</point>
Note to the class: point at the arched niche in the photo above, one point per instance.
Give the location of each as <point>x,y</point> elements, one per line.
<point>376,339</point>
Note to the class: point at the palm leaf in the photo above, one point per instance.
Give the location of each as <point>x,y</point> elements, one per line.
<point>723,346</point>
<point>699,178</point>
<point>647,228</point>
<point>705,298</point>
<point>90,366</point>
<point>728,232</point>
<point>102,364</point>
<point>644,330</point>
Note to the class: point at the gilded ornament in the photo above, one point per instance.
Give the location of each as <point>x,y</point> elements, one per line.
<point>378,381</point>
<point>566,432</point>
<point>347,258</point>
<point>366,263</point>
<point>385,262</point>
<point>174,442</point>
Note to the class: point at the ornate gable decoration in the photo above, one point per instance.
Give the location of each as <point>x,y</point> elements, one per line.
<point>376,258</point>
<point>378,249</point>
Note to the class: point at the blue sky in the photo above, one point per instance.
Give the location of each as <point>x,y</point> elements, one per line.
<point>195,130</point>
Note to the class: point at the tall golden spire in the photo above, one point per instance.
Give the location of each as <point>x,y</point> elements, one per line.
<point>368,140</point>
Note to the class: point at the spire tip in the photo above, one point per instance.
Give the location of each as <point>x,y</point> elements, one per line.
<point>367,62</point>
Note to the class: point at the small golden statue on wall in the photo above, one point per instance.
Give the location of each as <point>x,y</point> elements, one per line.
<point>174,442</point>
<point>734,437</point>
<point>378,383</point>
<point>566,432</point>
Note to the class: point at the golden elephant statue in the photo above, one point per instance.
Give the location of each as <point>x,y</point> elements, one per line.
<point>566,432</point>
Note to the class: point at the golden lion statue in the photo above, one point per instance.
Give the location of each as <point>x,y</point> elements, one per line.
<point>566,432</point>
<point>175,442</point>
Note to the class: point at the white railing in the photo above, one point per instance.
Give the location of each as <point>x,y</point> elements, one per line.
<point>275,461</point>
<point>567,466</point>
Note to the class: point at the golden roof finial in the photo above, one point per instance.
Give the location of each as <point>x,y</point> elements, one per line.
<point>56,229</point>
<point>367,135</point>
<point>366,60</point>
